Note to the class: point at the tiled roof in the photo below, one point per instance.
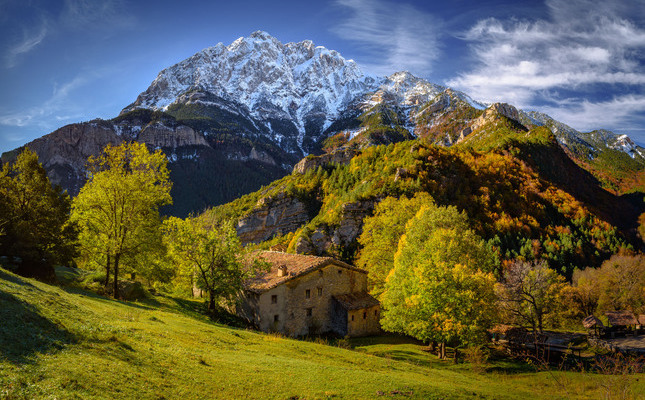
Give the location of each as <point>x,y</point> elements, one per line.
<point>356,301</point>
<point>621,318</point>
<point>641,319</point>
<point>297,265</point>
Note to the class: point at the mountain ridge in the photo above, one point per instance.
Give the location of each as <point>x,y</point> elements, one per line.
<point>260,105</point>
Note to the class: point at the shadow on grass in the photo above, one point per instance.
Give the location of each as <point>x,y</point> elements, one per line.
<point>199,310</point>
<point>383,339</point>
<point>24,332</point>
<point>147,303</point>
<point>190,307</point>
<point>14,279</point>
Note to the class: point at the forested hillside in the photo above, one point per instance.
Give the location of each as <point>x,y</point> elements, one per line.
<point>519,189</point>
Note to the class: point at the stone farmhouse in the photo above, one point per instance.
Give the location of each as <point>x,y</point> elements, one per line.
<point>307,295</point>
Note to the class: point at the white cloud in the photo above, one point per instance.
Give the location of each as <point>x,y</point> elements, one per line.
<point>617,113</point>
<point>394,36</point>
<point>29,41</point>
<point>583,43</point>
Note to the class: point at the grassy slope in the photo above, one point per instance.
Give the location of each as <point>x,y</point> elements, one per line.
<point>57,343</point>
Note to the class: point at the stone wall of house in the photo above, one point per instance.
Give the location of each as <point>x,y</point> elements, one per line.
<point>292,303</point>
<point>364,321</point>
<point>272,317</point>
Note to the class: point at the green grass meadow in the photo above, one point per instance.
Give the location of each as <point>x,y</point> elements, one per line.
<point>65,343</point>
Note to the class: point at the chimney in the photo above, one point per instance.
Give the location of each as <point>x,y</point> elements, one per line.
<point>282,270</point>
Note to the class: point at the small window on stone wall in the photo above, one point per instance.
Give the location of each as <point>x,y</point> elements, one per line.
<point>319,291</point>
<point>307,294</point>
<point>365,315</point>
<point>340,271</point>
<point>276,318</point>
<point>376,313</point>
<point>352,317</point>
<point>274,299</point>
<point>309,312</point>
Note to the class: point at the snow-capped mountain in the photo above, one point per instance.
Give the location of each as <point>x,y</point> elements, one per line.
<point>588,145</point>
<point>298,83</point>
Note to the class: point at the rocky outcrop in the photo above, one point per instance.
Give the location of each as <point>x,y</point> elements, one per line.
<point>262,156</point>
<point>340,156</point>
<point>64,152</point>
<point>73,144</point>
<point>272,216</point>
<point>159,135</point>
<point>490,114</point>
<point>325,239</point>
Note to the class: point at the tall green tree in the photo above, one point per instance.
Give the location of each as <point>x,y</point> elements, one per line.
<point>210,257</point>
<point>34,226</point>
<point>381,235</point>
<point>118,208</point>
<point>441,287</point>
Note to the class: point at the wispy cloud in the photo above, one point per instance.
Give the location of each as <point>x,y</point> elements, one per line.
<point>582,45</point>
<point>112,14</point>
<point>30,40</point>
<point>394,36</point>
<point>37,23</point>
<point>53,107</point>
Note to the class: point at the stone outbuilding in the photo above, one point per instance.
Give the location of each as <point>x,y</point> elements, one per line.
<point>308,295</point>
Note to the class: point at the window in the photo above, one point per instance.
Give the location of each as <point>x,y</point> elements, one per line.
<point>274,299</point>
<point>276,318</point>
<point>320,272</point>
<point>352,317</point>
<point>309,312</point>
<point>340,271</point>
<point>365,315</point>
<point>319,292</point>
<point>307,294</point>
<point>376,313</point>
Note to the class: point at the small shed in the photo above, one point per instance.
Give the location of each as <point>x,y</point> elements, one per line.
<point>622,322</point>
<point>356,314</point>
<point>621,319</point>
<point>593,323</point>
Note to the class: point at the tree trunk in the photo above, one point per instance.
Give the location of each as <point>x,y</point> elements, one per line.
<point>116,276</point>
<point>107,270</point>
<point>211,301</point>
<point>456,359</point>
<point>442,350</point>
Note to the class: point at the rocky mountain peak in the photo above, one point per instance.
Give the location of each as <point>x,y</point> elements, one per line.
<point>298,83</point>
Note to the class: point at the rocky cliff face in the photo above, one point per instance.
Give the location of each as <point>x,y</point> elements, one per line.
<point>327,239</point>
<point>158,135</point>
<point>272,216</point>
<point>341,156</point>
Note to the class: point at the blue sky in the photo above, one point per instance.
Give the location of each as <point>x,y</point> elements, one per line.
<point>580,61</point>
